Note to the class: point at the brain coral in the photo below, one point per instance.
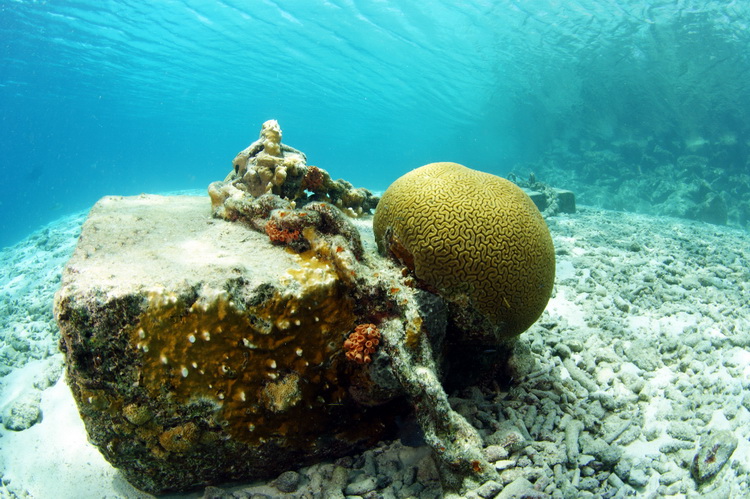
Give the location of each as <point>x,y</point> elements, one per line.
<point>475,238</point>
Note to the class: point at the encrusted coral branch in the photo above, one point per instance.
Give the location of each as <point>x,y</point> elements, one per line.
<point>269,167</point>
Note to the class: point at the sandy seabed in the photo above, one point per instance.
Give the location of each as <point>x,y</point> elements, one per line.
<point>639,371</point>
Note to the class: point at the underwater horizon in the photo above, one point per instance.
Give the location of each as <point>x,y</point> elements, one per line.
<point>633,105</point>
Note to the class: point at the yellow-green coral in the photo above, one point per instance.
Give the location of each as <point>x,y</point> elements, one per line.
<point>279,396</point>
<point>475,238</point>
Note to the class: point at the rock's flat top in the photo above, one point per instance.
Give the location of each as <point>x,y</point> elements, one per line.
<point>148,240</point>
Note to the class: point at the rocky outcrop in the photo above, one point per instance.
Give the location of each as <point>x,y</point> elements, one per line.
<point>200,352</point>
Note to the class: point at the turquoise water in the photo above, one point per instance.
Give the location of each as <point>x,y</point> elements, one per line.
<point>120,97</point>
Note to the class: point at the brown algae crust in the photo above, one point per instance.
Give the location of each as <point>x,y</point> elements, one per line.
<point>266,369</point>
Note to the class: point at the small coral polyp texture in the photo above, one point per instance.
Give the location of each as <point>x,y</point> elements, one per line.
<point>362,343</point>
<point>281,235</point>
<point>475,239</point>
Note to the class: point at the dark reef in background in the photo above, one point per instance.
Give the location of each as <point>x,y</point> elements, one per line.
<point>653,117</point>
<point>702,181</point>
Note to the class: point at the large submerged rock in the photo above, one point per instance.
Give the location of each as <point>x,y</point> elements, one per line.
<point>198,351</point>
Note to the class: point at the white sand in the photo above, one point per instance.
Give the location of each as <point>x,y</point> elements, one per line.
<point>53,458</point>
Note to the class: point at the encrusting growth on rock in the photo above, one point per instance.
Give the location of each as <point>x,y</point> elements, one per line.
<point>362,343</point>
<point>280,235</point>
